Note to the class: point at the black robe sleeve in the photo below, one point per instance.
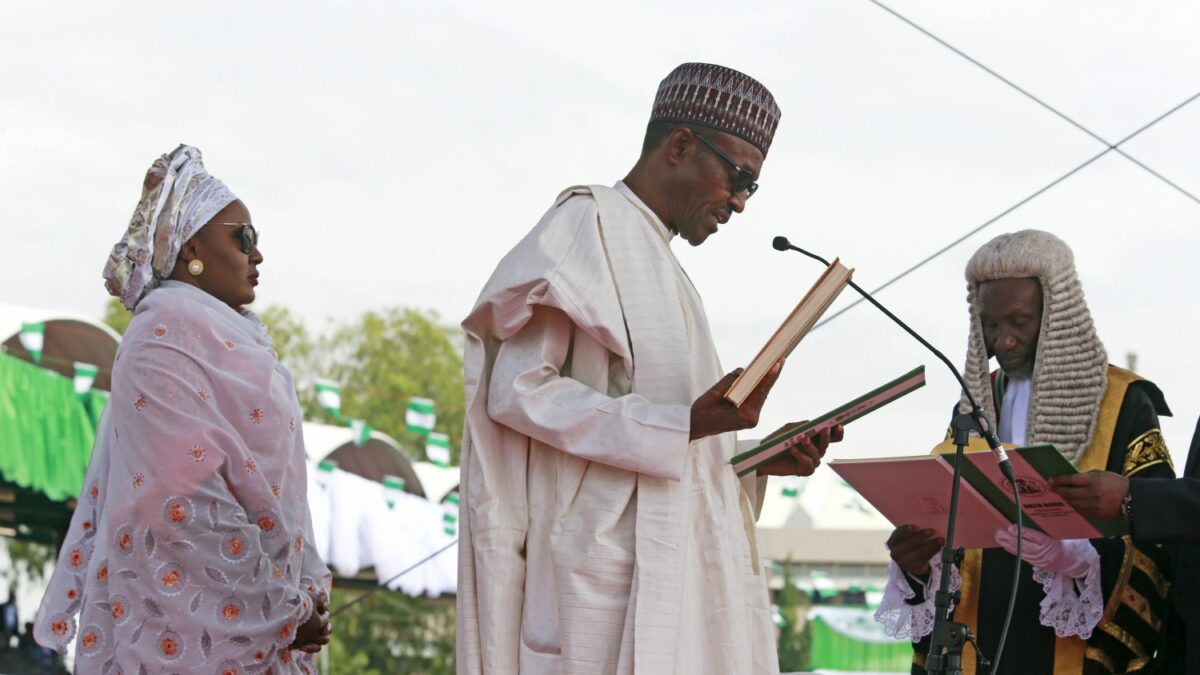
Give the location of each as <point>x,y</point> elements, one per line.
<point>1168,511</point>
<point>1133,574</point>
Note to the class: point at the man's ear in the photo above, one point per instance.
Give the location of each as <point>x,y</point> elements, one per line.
<point>679,146</point>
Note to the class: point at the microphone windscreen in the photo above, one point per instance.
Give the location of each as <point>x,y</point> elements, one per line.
<point>781,243</point>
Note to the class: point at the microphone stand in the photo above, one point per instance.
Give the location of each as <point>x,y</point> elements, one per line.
<point>948,637</point>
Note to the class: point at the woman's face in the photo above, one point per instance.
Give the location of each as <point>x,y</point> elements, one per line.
<point>230,274</point>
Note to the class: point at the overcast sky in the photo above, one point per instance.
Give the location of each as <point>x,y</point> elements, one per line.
<point>392,152</point>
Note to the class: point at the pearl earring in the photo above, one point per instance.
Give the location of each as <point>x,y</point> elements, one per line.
<point>196,267</point>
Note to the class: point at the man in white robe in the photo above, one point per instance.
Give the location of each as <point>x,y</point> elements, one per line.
<point>603,529</point>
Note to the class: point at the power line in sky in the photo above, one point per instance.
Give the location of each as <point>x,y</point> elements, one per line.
<point>1109,147</point>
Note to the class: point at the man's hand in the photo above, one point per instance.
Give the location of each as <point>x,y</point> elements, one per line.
<point>314,633</point>
<point>912,549</point>
<point>1095,494</point>
<point>804,452</point>
<point>712,414</point>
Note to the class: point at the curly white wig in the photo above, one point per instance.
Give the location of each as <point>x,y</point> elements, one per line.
<point>1070,371</point>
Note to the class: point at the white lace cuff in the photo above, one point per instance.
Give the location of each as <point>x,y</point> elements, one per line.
<point>1073,606</point>
<point>903,620</point>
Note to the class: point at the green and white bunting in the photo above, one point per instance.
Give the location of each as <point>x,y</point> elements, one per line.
<point>329,396</point>
<point>823,585</point>
<point>324,472</point>
<point>361,431</point>
<point>791,487</point>
<point>85,375</point>
<point>33,338</point>
<point>437,449</point>
<point>392,487</point>
<point>450,514</point>
<point>420,417</point>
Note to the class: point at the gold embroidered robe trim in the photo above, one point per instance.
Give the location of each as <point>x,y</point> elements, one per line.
<point>1098,655</point>
<point>1139,604</point>
<point>1147,567</point>
<point>1124,637</point>
<point>1145,451</point>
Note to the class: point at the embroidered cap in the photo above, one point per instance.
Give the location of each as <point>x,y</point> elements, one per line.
<point>721,98</point>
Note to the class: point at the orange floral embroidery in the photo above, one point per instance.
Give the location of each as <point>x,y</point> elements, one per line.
<point>118,610</point>
<point>285,630</point>
<point>169,646</point>
<point>286,657</point>
<point>94,491</point>
<point>75,559</point>
<point>256,416</point>
<point>228,344</point>
<point>160,330</point>
<point>138,479</point>
<point>266,523</point>
<point>250,466</point>
<point>60,627</point>
<point>231,612</point>
<point>299,543</point>
<point>125,540</point>
<point>178,512</point>
<point>196,453</point>
<point>202,393</point>
<point>236,546</point>
<point>87,525</point>
<point>72,594</point>
<point>259,656</point>
<point>140,402</point>
<point>277,572</point>
<point>276,490</point>
<point>102,574</point>
<point>229,669</point>
<point>89,639</point>
<point>170,578</point>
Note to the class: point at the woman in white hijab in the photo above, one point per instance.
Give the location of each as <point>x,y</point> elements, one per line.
<point>190,550</point>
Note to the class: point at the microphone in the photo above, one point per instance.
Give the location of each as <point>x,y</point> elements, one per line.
<point>782,244</point>
<point>948,635</point>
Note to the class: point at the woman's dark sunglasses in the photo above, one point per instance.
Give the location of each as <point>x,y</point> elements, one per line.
<point>744,181</point>
<point>248,235</point>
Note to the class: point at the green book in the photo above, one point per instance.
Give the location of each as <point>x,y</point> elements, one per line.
<point>875,399</point>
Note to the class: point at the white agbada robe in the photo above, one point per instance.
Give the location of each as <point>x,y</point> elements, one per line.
<point>595,538</point>
<point>191,549</point>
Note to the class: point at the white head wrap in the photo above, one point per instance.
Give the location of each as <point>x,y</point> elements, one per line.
<point>178,198</point>
<point>1070,371</point>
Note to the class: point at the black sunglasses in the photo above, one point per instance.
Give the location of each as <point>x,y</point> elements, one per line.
<point>249,236</point>
<point>743,181</point>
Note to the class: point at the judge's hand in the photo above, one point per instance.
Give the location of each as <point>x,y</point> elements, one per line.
<point>712,414</point>
<point>804,452</point>
<point>1095,494</point>
<point>912,549</point>
<point>314,633</point>
<point>1071,557</point>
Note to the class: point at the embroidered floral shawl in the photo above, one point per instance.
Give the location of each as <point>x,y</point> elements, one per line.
<point>190,549</point>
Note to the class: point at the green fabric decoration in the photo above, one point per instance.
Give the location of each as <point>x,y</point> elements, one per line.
<point>845,638</point>
<point>46,429</point>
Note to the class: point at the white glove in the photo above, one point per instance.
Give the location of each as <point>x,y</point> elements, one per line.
<point>1069,557</point>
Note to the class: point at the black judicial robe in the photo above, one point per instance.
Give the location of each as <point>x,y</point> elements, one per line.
<point>1133,574</point>
<point>1168,512</point>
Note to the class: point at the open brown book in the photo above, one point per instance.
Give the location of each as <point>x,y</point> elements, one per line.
<point>794,328</point>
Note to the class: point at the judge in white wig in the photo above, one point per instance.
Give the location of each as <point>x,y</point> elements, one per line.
<point>1084,606</point>
<point>190,549</point>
